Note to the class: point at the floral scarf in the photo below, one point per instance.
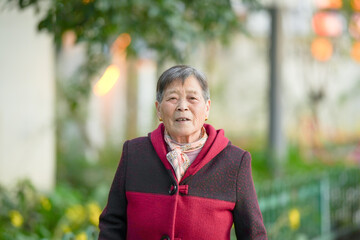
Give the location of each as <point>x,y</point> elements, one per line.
<point>177,156</point>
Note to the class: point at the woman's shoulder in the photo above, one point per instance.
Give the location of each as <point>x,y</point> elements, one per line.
<point>235,150</point>
<point>139,141</point>
<point>137,146</point>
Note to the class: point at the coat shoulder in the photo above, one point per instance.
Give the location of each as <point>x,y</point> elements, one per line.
<point>139,141</point>
<point>235,150</point>
<point>139,145</point>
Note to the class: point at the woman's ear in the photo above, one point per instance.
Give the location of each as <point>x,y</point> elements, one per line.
<point>207,107</point>
<point>158,113</point>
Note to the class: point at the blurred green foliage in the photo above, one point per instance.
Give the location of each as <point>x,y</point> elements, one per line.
<point>171,28</point>
<point>78,171</point>
<point>299,160</point>
<point>66,213</point>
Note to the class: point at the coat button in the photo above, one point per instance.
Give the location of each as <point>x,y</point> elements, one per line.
<point>165,237</point>
<point>173,189</point>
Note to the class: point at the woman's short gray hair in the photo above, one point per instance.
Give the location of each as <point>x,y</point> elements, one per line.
<point>180,72</point>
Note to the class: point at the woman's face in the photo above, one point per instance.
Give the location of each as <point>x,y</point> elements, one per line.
<point>183,110</point>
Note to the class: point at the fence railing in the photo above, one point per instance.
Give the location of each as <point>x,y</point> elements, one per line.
<point>323,206</point>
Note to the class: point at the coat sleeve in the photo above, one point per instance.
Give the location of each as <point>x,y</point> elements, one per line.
<point>248,220</point>
<point>113,219</point>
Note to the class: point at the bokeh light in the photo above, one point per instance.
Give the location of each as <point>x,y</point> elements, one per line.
<point>327,24</point>
<point>68,39</point>
<point>86,1</point>
<point>121,43</point>
<point>107,81</point>
<point>321,49</point>
<point>355,51</point>
<point>329,4</point>
<point>355,4</point>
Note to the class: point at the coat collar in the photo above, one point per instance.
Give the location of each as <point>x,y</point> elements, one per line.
<point>215,143</point>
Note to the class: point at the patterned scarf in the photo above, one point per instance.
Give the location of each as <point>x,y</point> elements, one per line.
<point>177,156</point>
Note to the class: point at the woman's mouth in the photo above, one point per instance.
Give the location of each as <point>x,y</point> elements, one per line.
<point>182,119</point>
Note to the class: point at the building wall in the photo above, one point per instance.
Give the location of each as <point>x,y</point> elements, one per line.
<point>27,144</point>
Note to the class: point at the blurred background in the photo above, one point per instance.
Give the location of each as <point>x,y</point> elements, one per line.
<point>78,78</point>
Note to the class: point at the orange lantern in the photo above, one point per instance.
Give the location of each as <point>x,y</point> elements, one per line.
<point>327,24</point>
<point>321,49</point>
<point>355,4</point>
<point>355,51</point>
<point>329,4</point>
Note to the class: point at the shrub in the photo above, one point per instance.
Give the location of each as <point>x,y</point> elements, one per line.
<point>27,214</point>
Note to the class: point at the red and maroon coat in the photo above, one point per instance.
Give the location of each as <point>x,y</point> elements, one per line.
<point>147,202</point>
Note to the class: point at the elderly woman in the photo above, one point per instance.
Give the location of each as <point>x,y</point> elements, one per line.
<point>185,180</point>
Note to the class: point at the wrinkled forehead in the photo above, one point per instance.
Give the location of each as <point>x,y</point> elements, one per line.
<point>178,84</point>
<point>179,80</point>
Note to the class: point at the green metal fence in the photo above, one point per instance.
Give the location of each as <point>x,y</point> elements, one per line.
<point>323,206</point>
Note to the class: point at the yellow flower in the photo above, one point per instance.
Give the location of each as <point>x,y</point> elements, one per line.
<point>94,213</point>
<point>76,214</point>
<point>81,236</point>
<point>45,203</point>
<point>294,218</point>
<point>65,228</point>
<point>16,218</point>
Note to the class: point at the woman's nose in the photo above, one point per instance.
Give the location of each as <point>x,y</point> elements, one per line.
<point>182,106</point>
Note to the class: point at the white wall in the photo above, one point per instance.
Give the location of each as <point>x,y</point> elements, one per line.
<point>27,143</point>
<point>146,96</point>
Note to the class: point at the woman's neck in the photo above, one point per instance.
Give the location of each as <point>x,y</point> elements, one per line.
<point>187,139</point>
